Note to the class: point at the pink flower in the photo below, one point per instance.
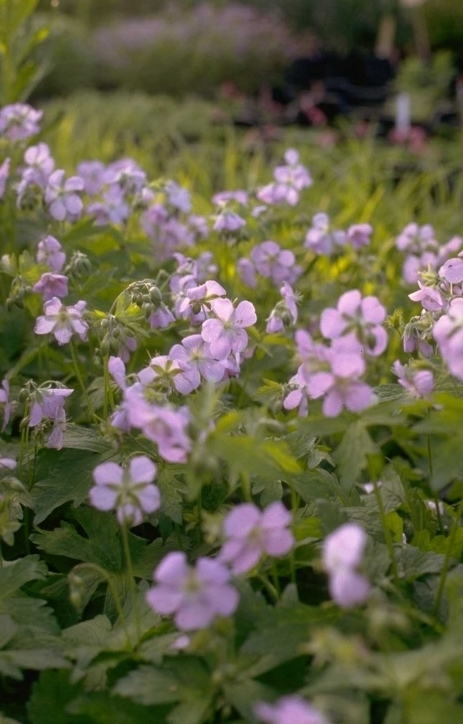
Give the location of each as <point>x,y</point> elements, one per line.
<point>418,382</point>
<point>48,404</point>
<point>229,221</point>
<point>128,490</point>
<point>52,285</point>
<point>19,121</point>
<point>341,555</point>
<point>4,171</point>
<point>452,271</point>
<point>291,709</point>
<point>49,252</point>
<point>62,321</point>
<point>5,401</point>
<point>341,386</point>
<point>430,297</point>
<point>356,314</point>
<point>195,360</point>
<point>251,533</point>
<point>226,334</point>
<point>448,333</point>
<point>194,596</point>
<point>64,203</point>
<point>275,263</point>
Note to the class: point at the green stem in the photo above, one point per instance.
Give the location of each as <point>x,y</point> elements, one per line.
<point>386,531</point>
<point>128,561</point>
<point>81,381</point>
<point>268,586</point>
<point>431,478</point>
<point>114,593</point>
<point>445,567</point>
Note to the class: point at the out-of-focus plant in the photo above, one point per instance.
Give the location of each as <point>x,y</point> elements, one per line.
<point>194,51</point>
<point>19,36</point>
<point>427,82</point>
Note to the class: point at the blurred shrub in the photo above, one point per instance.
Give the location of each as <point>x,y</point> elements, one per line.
<point>194,51</point>
<point>68,54</point>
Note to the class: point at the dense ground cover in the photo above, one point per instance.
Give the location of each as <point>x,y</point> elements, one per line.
<point>231,475</point>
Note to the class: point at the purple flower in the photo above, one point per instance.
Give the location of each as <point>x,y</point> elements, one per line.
<point>48,403</point>
<point>247,272</point>
<point>419,383</point>
<point>19,121</point>
<point>221,198</point>
<point>291,709</point>
<point>195,360</point>
<point>341,555</point>
<point>359,235</point>
<point>275,263</point>
<point>194,596</point>
<point>92,174</point>
<point>251,533</point>
<point>228,221</point>
<point>430,297</point>
<point>4,172</point>
<point>128,490</point>
<point>452,271</point>
<point>40,163</point>
<point>164,426</point>
<point>285,312</point>
<point>64,204</point>
<point>49,252</point>
<point>448,333</point>
<point>52,285</point>
<point>112,209</point>
<point>62,321</point>
<point>320,238</point>
<point>178,197</point>
<point>5,401</point>
<point>341,386</point>
<point>226,334</point>
<point>362,315</point>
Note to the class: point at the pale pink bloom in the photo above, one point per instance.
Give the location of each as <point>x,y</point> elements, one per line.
<point>48,403</point>
<point>321,238</point>
<point>4,172</point>
<point>63,322</point>
<point>64,204</point>
<point>178,197</point>
<point>19,121</point>
<point>251,533</point>
<point>5,401</point>
<point>290,709</point>
<point>362,315</point>
<point>298,395</point>
<point>128,490</point>
<point>341,555</point>
<point>165,426</point>
<point>221,198</point>
<point>92,174</point>
<point>418,382</point>
<point>196,362</point>
<point>226,334</point>
<point>49,252</point>
<point>228,221</point>
<point>448,333</point>
<point>8,463</point>
<point>194,596</point>
<point>359,235</point>
<point>430,297</point>
<point>52,285</point>
<point>196,302</point>
<point>452,271</point>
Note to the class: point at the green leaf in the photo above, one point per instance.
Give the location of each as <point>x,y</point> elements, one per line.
<point>351,454</point>
<point>63,477</point>
<point>50,696</point>
<point>413,563</point>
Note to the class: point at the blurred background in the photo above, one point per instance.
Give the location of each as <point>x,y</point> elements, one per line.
<point>195,46</point>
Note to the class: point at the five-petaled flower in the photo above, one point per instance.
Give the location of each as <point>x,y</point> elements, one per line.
<point>194,596</point>
<point>129,490</point>
<point>63,322</point>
